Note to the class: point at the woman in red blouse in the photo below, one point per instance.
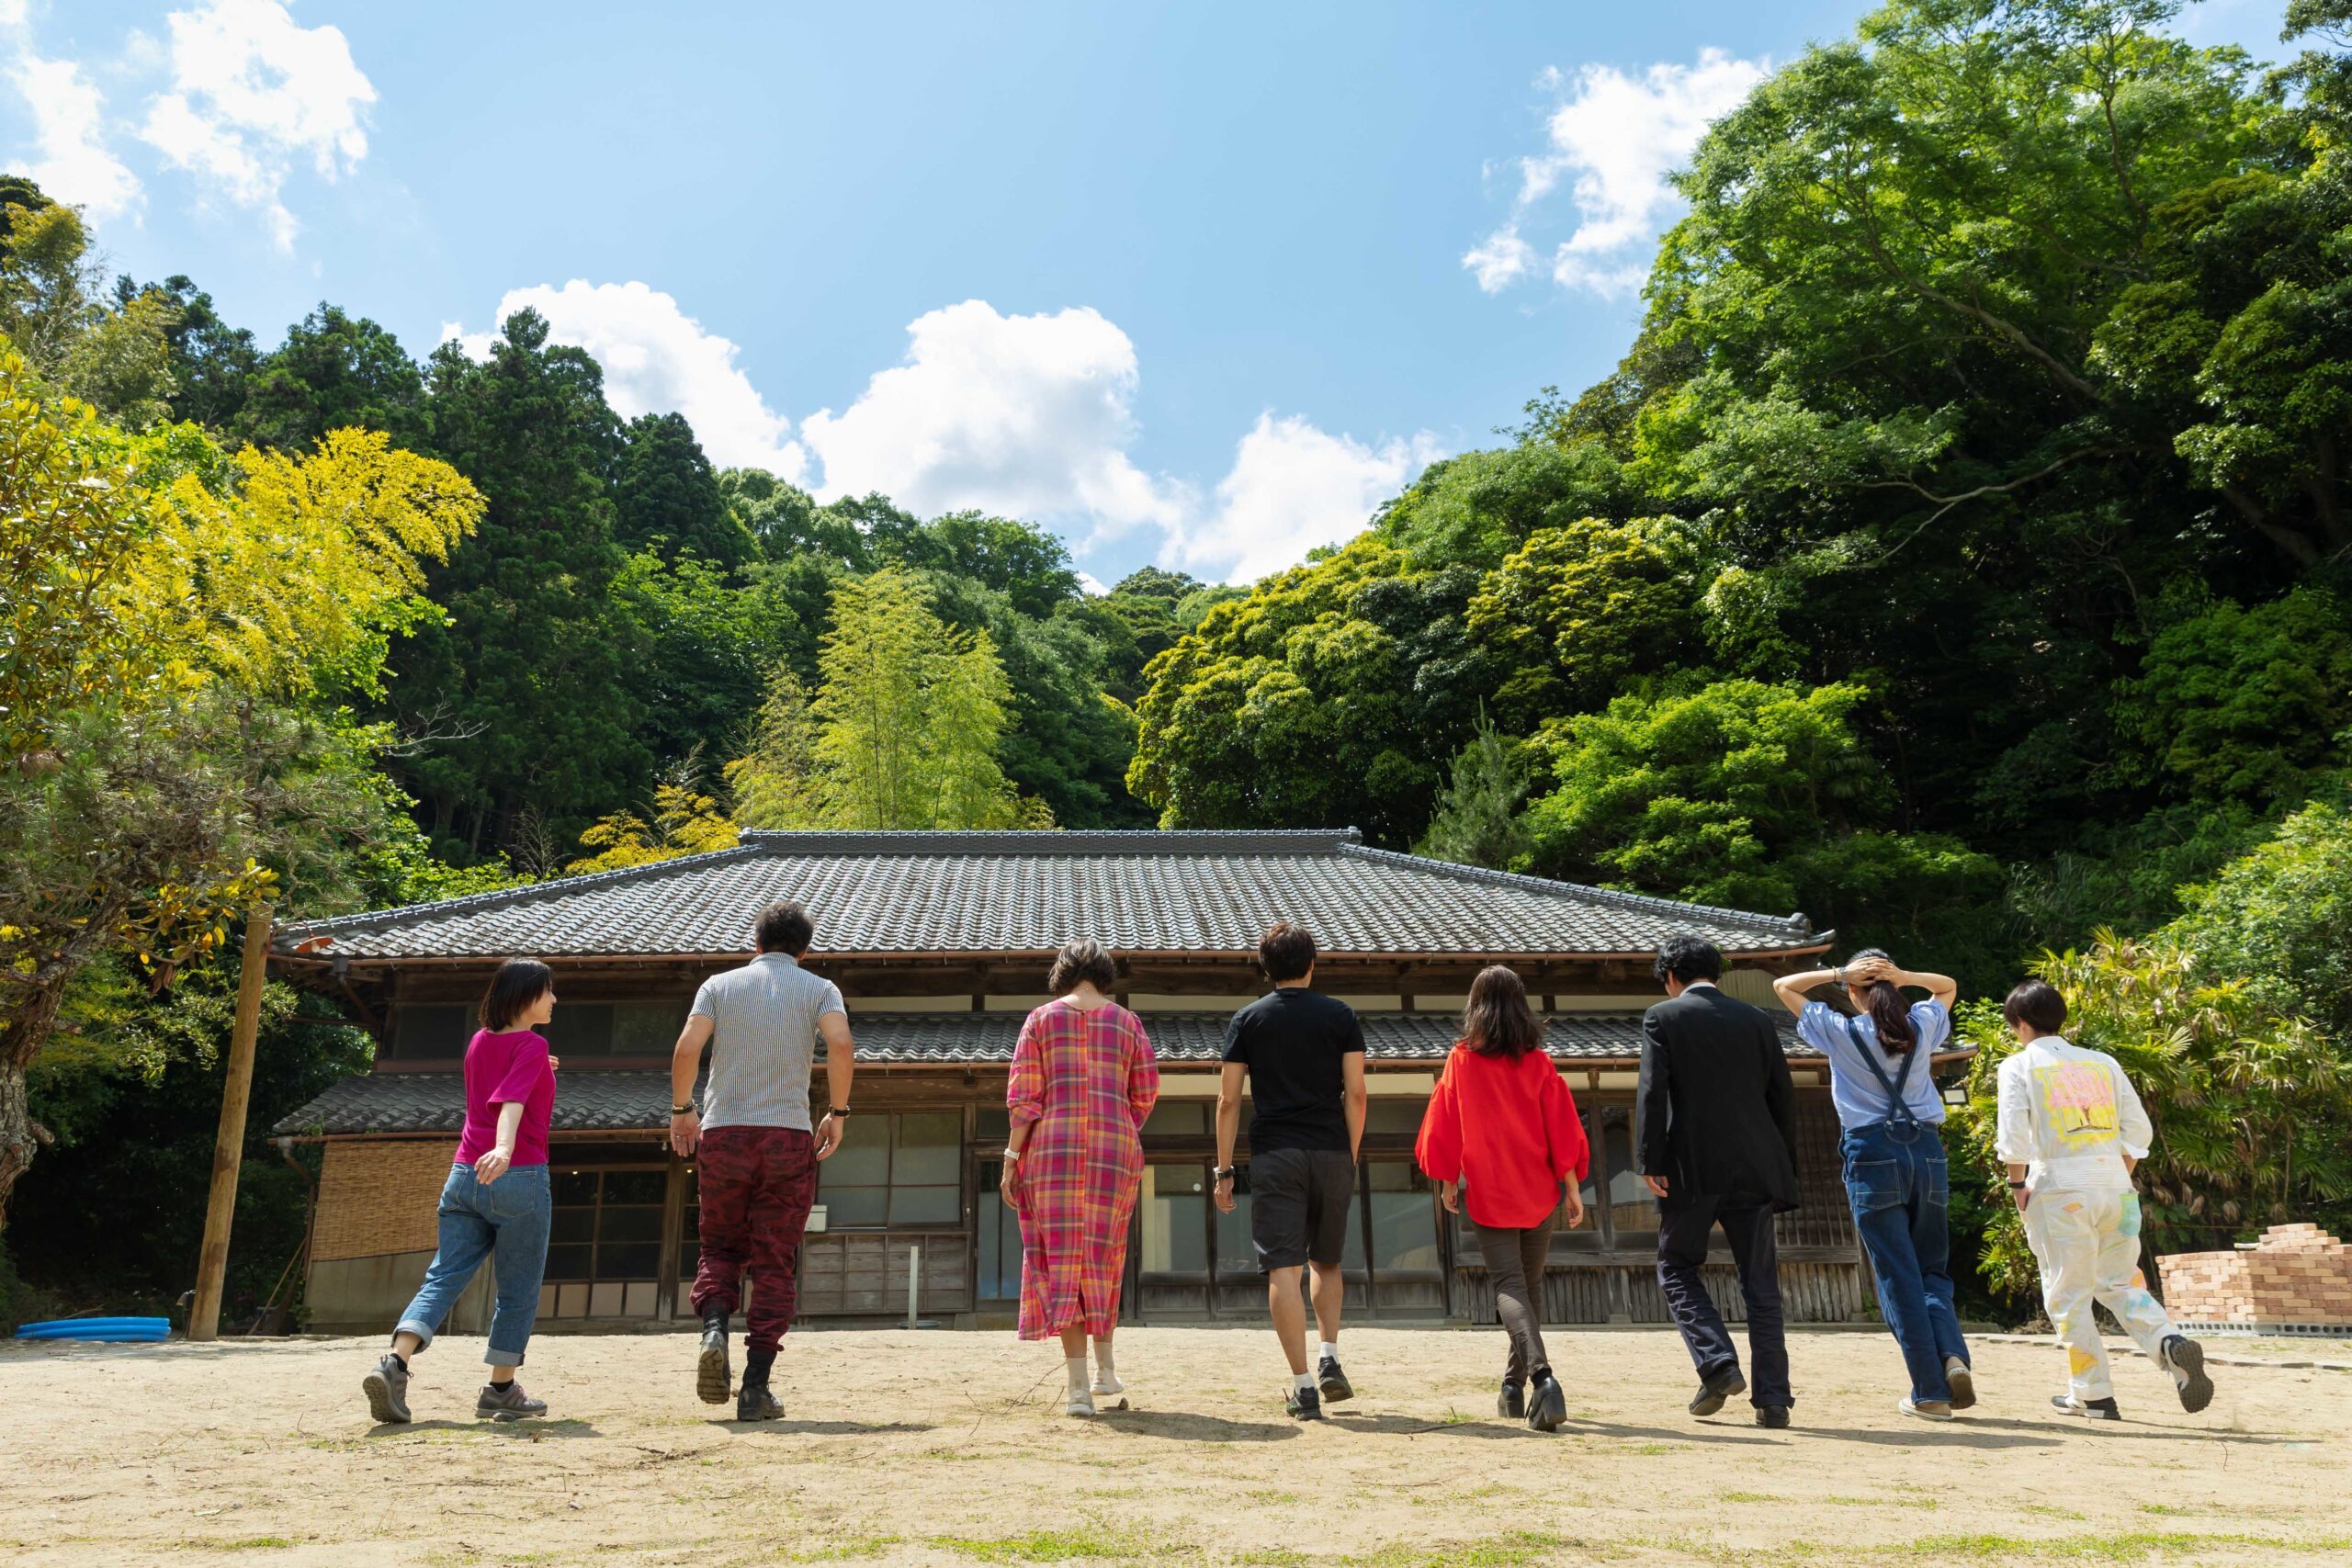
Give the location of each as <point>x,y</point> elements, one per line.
<point>1503,1126</point>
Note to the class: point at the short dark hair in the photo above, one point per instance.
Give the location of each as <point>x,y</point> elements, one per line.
<point>1688,958</point>
<point>519,983</point>
<point>1084,959</point>
<point>1288,951</point>
<point>784,927</point>
<point>2036,1002</point>
<point>1497,1020</point>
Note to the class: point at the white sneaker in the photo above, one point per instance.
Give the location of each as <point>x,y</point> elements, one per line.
<point>1081,1402</point>
<point>1925,1409</point>
<point>1109,1389</point>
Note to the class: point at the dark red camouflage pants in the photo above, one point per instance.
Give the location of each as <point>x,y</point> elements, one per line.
<point>755,1184</point>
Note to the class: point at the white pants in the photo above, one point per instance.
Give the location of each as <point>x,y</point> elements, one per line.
<point>2088,1246</point>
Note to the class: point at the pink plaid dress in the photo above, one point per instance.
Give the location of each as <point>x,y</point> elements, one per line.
<point>1086,1078</point>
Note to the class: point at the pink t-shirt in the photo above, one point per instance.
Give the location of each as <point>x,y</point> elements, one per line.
<point>502,1070</point>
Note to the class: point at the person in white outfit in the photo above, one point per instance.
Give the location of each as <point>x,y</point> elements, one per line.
<point>2071,1129</point>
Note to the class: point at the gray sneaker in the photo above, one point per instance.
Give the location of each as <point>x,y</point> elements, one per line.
<point>508,1403</point>
<point>387,1390</point>
<point>2184,1359</point>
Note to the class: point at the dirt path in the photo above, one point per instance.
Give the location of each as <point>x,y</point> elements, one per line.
<point>941,1448</point>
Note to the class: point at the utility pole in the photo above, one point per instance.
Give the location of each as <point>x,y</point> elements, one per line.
<point>229,1148</point>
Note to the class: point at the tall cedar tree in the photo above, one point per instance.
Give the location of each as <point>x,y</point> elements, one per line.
<point>532,678</point>
<point>668,493</point>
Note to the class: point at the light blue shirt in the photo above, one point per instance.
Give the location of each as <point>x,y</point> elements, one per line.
<point>1856,1094</point>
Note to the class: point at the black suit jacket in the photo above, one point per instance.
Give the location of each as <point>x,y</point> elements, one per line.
<point>1716,1116</point>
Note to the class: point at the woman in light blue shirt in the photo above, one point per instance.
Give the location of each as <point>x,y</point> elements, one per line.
<point>1881,1083</point>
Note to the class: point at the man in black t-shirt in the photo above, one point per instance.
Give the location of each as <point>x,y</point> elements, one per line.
<point>1302,1055</point>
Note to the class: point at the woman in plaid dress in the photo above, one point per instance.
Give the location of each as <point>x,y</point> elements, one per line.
<point>1083,1081</point>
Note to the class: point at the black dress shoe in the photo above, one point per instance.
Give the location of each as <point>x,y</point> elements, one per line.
<point>1511,1404</point>
<point>1713,1391</point>
<point>1775,1417</point>
<point>1546,1406</point>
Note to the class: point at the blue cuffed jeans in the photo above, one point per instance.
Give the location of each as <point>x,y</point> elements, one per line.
<point>507,1220</point>
<point>1900,1187</point>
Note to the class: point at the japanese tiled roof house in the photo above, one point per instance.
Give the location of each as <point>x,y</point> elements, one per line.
<point>940,943</point>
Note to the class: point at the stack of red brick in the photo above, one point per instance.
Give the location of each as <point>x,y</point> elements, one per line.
<point>2296,1275</point>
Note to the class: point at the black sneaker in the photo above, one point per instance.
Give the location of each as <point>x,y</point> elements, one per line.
<point>714,1378</point>
<point>2090,1409</point>
<point>1511,1404</point>
<point>1304,1404</point>
<point>1774,1417</point>
<point>386,1391</point>
<point>2184,1359</point>
<point>1713,1391</point>
<point>1546,1406</point>
<point>1332,1380</point>
<point>756,1403</point>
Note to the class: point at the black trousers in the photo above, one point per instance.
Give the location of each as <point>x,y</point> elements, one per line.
<point>1515,1262</point>
<point>1683,1233</point>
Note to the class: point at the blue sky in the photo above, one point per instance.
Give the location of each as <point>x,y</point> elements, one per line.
<point>1195,284</point>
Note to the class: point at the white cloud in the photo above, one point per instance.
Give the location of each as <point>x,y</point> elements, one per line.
<point>12,13</point>
<point>1500,260</point>
<point>252,93</point>
<point>73,164</point>
<point>1090,583</point>
<point>1613,141</point>
<point>1294,487</point>
<point>658,359</point>
<point>1023,417</point>
<point>1027,416</point>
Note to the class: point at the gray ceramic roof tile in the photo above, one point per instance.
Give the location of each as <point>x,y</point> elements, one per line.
<point>955,893</point>
<point>588,1099</point>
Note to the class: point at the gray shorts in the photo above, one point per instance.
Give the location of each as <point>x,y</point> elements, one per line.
<point>1299,1206</point>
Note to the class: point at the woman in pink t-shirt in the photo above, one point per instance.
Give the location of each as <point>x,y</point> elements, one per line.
<point>496,1202</point>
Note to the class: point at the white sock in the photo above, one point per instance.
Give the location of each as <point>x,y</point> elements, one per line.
<point>1303,1381</point>
<point>1330,1350</point>
<point>1104,1364</point>
<point>1076,1367</point>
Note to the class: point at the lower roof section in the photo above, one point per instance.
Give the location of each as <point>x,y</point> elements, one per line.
<point>590,1101</point>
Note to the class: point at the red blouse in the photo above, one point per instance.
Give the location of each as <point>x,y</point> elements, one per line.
<point>1508,1130</point>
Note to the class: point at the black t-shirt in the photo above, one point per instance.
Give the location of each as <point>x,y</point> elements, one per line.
<point>1293,1040</point>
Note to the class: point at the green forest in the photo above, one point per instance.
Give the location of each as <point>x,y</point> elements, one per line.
<point>1959,554</point>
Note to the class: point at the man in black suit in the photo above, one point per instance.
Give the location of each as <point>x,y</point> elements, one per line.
<point>1716,1140</point>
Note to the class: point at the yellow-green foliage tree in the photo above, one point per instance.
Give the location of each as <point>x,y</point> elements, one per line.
<point>685,822</point>
<point>176,626</point>
<point>902,733</point>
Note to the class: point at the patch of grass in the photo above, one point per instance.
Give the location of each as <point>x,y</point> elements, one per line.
<point>959,1454</point>
<point>1650,1448</point>
<point>246,1543</point>
<point>1084,1545</point>
<point>1746,1497</point>
<point>1911,1502</point>
<point>1269,1494</point>
<point>1496,1552</point>
<point>2047,1512</point>
<point>844,1551</point>
<point>1275,1557</point>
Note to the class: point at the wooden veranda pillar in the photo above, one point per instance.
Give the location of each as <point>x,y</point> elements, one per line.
<point>229,1147</point>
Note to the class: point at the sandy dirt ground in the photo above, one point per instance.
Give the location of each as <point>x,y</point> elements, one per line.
<point>950,1449</point>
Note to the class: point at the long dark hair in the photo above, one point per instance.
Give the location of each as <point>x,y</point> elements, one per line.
<point>1497,1020</point>
<point>1890,1014</point>
<point>519,983</point>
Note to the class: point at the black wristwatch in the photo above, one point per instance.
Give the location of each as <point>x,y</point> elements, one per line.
<point>683,1110</point>
<point>1224,1172</point>
<point>839,1110</point>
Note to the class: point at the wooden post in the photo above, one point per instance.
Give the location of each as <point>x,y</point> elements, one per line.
<point>229,1148</point>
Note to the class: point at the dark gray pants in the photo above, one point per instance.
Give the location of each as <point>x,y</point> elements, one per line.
<point>1515,1262</point>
